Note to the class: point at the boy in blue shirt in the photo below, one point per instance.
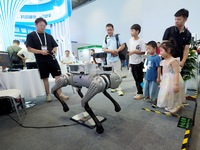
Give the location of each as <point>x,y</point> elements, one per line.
<point>152,76</point>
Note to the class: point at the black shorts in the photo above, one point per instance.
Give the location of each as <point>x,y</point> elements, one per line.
<point>45,68</point>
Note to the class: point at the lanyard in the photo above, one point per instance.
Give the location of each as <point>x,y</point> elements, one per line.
<point>45,39</point>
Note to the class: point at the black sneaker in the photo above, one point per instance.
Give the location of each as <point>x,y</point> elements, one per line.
<point>146,98</point>
<point>154,104</point>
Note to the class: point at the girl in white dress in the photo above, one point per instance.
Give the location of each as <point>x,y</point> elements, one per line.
<point>171,93</point>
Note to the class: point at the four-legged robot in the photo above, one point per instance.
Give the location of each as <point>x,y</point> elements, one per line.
<point>95,84</point>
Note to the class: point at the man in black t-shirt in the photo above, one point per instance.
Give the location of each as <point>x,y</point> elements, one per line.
<point>44,47</point>
<point>180,34</point>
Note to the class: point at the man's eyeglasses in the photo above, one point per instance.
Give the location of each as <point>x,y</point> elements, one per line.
<point>109,29</point>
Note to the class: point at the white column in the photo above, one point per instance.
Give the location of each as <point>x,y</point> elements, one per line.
<point>61,32</point>
<point>8,12</point>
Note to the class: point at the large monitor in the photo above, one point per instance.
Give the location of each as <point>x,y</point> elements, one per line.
<point>5,59</point>
<point>102,55</point>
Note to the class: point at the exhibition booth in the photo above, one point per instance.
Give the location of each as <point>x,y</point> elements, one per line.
<point>94,116</point>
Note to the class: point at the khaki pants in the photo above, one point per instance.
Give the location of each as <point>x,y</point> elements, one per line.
<point>117,68</point>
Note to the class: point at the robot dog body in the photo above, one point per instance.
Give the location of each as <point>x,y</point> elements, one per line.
<point>95,84</point>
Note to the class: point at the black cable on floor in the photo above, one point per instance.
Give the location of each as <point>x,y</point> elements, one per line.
<point>44,127</point>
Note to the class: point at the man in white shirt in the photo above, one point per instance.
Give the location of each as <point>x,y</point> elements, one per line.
<point>28,58</point>
<point>67,59</point>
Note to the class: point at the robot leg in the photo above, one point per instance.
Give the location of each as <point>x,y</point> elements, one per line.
<point>117,106</point>
<point>62,81</point>
<point>97,85</point>
<point>113,81</point>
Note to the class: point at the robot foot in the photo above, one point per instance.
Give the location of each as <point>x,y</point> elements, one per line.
<point>117,106</point>
<point>100,129</point>
<point>65,107</point>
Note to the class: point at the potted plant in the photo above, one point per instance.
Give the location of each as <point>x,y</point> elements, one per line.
<point>190,66</point>
<point>190,70</point>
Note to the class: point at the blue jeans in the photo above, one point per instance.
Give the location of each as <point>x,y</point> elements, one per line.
<point>151,89</point>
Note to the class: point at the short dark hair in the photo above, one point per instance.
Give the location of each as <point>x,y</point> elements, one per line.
<point>92,50</point>
<point>40,20</point>
<point>16,42</point>
<point>136,27</point>
<point>182,12</point>
<point>152,44</point>
<point>67,51</point>
<point>110,25</point>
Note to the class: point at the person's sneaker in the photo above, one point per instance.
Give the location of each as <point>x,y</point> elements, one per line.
<point>124,76</point>
<point>154,104</point>
<point>146,98</point>
<point>185,104</point>
<point>120,93</point>
<point>48,98</point>
<point>138,96</point>
<point>175,109</point>
<point>113,90</point>
<point>192,98</point>
<point>167,109</point>
<point>63,97</point>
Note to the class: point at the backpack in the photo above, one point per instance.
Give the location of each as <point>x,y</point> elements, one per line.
<point>15,59</point>
<point>123,53</point>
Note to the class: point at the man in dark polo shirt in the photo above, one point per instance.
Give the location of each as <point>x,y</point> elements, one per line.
<point>44,48</point>
<point>180,34</point>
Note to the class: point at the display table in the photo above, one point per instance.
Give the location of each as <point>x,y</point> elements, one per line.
<point>28,81</point>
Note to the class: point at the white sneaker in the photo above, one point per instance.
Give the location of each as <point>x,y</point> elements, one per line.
<point>48,98</point>
<point>167,109</point>
<point>113,90</point>
<point>63,97</point>
<point>185,104</point>
<point>135,94</point>
<point>175,109</point>
<point>138,97</point>
<point>120,93</point>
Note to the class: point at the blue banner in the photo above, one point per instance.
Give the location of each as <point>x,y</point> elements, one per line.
<point>22,30</point>
<point>53,11</point>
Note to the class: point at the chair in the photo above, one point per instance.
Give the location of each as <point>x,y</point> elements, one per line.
<point>15,96</point>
